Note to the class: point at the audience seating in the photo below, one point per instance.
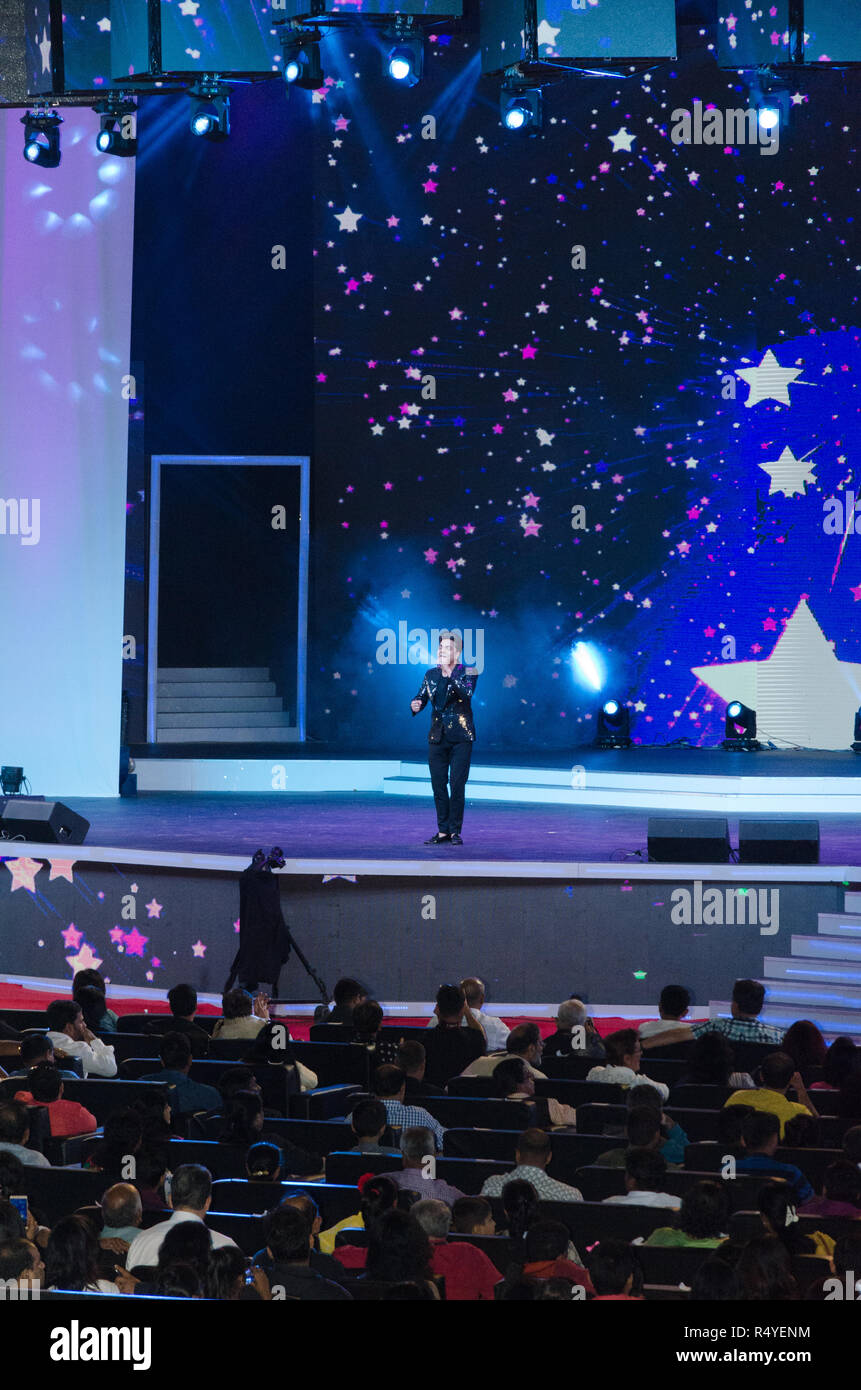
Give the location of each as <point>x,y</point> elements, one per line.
<point>598,1183</point>
<point>467,1174</point>
<point>812,1162</point>
<point>744,1224</point>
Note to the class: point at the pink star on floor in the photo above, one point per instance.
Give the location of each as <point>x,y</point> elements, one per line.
<point>198,949</point>
<point>154,909</point>
<point>84,960</point>
<point>23,873</point>
<point>135,942</point>
<point>117,935</point>
<point>72,938</point>
<point>61,868</point>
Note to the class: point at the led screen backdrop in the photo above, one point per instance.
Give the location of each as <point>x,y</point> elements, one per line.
<point>599,386</point>
<point>65,303</point>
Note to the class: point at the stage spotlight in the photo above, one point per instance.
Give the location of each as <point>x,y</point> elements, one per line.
<point>614,726</point>
<point>12,780</point>
<point>118,128</point>
<point>856,746</point>
<point>42,138</point>
<point>740,728</point>
<point>405,61</point>
<point>303,65</point>
<point>522,108</point>
<point>769,117</point>
<point>211,116</point>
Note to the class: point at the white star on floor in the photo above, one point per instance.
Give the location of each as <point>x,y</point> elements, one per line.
<point>348,220</point>
<point>803,694</point>
<point>621,140</point>
<point>769,381</point>
<point>788,474</point>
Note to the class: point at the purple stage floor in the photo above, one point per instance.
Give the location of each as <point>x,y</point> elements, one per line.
<point>391,828</point>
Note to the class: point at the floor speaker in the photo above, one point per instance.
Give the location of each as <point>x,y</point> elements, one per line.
<point>685,841</point>
<point>778,842</point>
<point>42,822</point>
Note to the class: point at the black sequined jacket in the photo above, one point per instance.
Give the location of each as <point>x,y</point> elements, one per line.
<point>455,719</point>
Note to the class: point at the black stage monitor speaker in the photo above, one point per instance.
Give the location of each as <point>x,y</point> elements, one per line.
<point>778,842</point>
<point>42,822</point>
<point>679,841</point>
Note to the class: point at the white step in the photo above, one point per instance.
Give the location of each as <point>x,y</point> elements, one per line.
<point>827,948</point>
<point>250,704</point>
<point>270,734</point>
<point>831,1021</point>
<point>852,902</point>
<point>796,970</point>
<point>846,924</point>
<point>213,673</point>
<point>826,996</point>
<point>221,719</point>
<point>209,689</point>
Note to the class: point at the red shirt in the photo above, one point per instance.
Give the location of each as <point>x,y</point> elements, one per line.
<point>64,1116</point>
<point>469,1274</point>
<point>559,1269</point>
<point>351,1256</point>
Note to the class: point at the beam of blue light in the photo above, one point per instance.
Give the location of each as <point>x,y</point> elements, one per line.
<point>586,665</point>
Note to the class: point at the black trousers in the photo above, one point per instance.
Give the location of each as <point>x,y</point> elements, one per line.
<point>449,762</point>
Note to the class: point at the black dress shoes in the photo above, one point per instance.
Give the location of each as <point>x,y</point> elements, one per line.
<point>438,839</point>
<point>455,840</point>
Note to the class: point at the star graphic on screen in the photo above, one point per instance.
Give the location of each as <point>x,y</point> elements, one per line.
<point>154,909</point>
<point>72,938</point>
<point>348,221</point>
<point>330,878</point>
<point>802,693</point>
<point>23,873</point>
<point>788,474</point>
<point>44,47</point>
<point>84,960</point>
<point>189,6</point>
<point>544,438</point>
<point>530,527</point>
<point>547,35</point>
<point>117,935</point>
<point>135,942</point>
<point>236,925</point>
<point>769,381</point>
<point>621,140</point>
<point>104,25</point>
<point>61,868</point>
<point>530,500</point>
<point>156,962</point>
<point>198,949</point>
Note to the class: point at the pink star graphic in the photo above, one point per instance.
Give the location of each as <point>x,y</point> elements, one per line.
<point>530,500</point>
<point>23,873</point>
<point>198,949</point>
<point>430,556</point>
<point>430,186</point>
<point>529,351</point>
<point>154,909</point>
<point>117,935</point>
<point>72,938</point>
<point>156,962</point>
<point>135,942</point>
<point>342,123</point>
<point>532,528</point>
<point>84,960</point>
<point>393,221</point>
<point>61,868</point>
<point>856,592</point>
<point>236,925</point>
<point>683,547</point>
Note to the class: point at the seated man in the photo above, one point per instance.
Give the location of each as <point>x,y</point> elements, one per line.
<point>495,1031</point>
<point>470,1276</point>
<point>243,1016</point>
<point>616,1272</point>
<point>450,1048</point>
<point>531,1159</point>
<point>369,1123</point>
<point>288,1231</point>
<point>748,997</point>
<point>778,1074</point>
<point>576,1034</point>
<point>472,1216</point>
<point>68,1034</point>
<point>642,1131</point>
<point>122,1217</point>
<point>651,1130</point>
<point>418,1173</point>
<point>547,1257</point>
<point>523,1041</point>
<point>389,1084</point>
<point>66,1117</point>
<point>645,1177</point>
<point>190,1198</point>
<point>760,1134</point>
<point>185,1096</point>
<point>841,1193</point>
<point>183,1007</point>
<point>623,1063</point>
<point>412,1059</point>
<point>673,1004</point>
<point>15,1132</point>
<point>345,996</point>
<point>514,1081</point>
<point>35,1048</point>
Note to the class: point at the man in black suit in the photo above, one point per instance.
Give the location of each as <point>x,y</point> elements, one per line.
<point>449,687</point>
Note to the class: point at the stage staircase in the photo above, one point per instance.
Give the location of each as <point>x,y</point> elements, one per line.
<point>221,704</point>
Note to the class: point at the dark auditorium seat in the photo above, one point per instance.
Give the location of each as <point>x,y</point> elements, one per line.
<point>567,1092</point>
<point>812,1162</point>
<point>745,1224</point>
<point>253,1198</point>
<point>700,1097</point>
<point>697,1124</point>
<point>598,1183</point>
<point>591,1221</point>
<point>335,1200</point>
<point>54,1192</point>
<point>100,1095</point>
<point>496,1248</point>
<point>325,1103</point>
<point>222,1160</point>
<point>317,1136</point>
<point>568,1152</point>
<point>140,1023</point>
<point>467,1174</point>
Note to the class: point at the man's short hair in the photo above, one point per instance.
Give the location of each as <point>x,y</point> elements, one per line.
<point>60,1013</point>
<point>35,1047</point>
<point>287,1232</point>
<point>367,1017</point>
<point>509,1076</point>
<point>237,1003</point>
<point>642,1127</point>
<point>433,1216</point>
<point>191,1186</point>
<point>748,996</point>
<point>450,999</point>
<point>468,1213</point>
<point>758,1127</point>
<point>368,1118</point>
<point>417,1143</point>
<point>263,1160</point>
<point>84,979</point>
<point>182,1000</point>
<point>346,990</point>
<point>777,1070</point>
<point>571,1014</point>
<point>44,1082</point>
<point>852,1143</point>
<point>546,1240</point>
<point>452,637</point>
<point>647,1167</point>
<point>121,1205</point>
<point>533,1143</point>
<point>619,1045</point>
<point>675,1000</point>
<point>473,990</point>
<point>705,1210</point>
<point>14,1122</point>
<point>521,1038</point>
<point>388,1080</point>
<point>411,1055</point>
<point>16,1257</point>
<point>644,1097</point>
<point>611,1264</point>
<point>174,1051</point>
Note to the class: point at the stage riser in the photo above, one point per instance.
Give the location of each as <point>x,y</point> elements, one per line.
<point>844,925</point>
<point>797,971</point>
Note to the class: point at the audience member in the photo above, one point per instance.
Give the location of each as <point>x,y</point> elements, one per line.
<point>852,1144</point>
<point>716,1282</point>
<point>21,1261</point>
<point>122,1214</point>
<point>243,1015</point>
<point>288,1234</point>
<point>65,1117</point>
<point>778,1213</point>
<point>94,1009</point>
<point>616,1273</point>
<point>390,1084</point>
<point>840,1059</point>
<point>449,1048</point>
<point>263,1162</point>
<point>106,1022</point>
<point>122,1137</point>
<point>673,1004</point>
<point>186,1096</point>
<point>412,1059</point>
<point>805,1045</point>
<point>710,1063</point>
<point>15,1132</point>
<point>226,1275</point>
<point>272,1048</point>
<point>571,1015</point>
<point>760,1134</point>
<point>841,1192</point>
<point>69,1036</point>
<point>472,1216</point>
<point>469,1275</point>
<point>642,1130</point>
<point>378,1195</point>
<point>765,1271</point>
<point>623,1063</point>
<point>244,1124</point>
<point>495,1031</point>
<point>346,995</point>
<point>525,1042</point>
<point>514,1081</point>
<point>702,1219</point>
<point>182,1000</point>
<point>418,1173</point>
<point>645,1178</point>
<point>35,1048</point>
<point>369,1123</point>
<point>190,1197</point>
<point>398,1250</point>
<point>531,1159</point>
<point>546,1257</point>
<point>72,1258</point>
<point>748,997</point>
<point>777,1074</point>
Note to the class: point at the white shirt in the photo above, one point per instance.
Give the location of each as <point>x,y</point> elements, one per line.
<point>647,1199</point>
<point>145,1248</point>
<point>96,1058</point>
<point>495,1030</point>
<point>659,1025</point>
<point>624,1076</point>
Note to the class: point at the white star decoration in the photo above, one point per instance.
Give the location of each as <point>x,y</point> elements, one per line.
<point>547,35</point>
<point>348,220</point>
<point>45,50</point>
<point>802,693</point>
<point>769,381</point>
<point>788,474</point>
<point>621,140</point>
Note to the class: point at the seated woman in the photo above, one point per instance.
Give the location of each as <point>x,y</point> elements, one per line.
<point>710,1063</point>
<point>243,1016</point>
<point>702,1219</point>
<point>104,1021</point>
<point>243,1124</point>
<point>513,1080</point>
<point>72,1258</point>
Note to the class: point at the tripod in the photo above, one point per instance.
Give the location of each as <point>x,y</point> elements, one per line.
<point>265,940</point>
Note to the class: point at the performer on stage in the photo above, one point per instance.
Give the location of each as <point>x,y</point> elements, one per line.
<point>449,687</point>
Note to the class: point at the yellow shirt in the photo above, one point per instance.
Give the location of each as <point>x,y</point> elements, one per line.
<point>774,1102</point>
<point>326,1239</point>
